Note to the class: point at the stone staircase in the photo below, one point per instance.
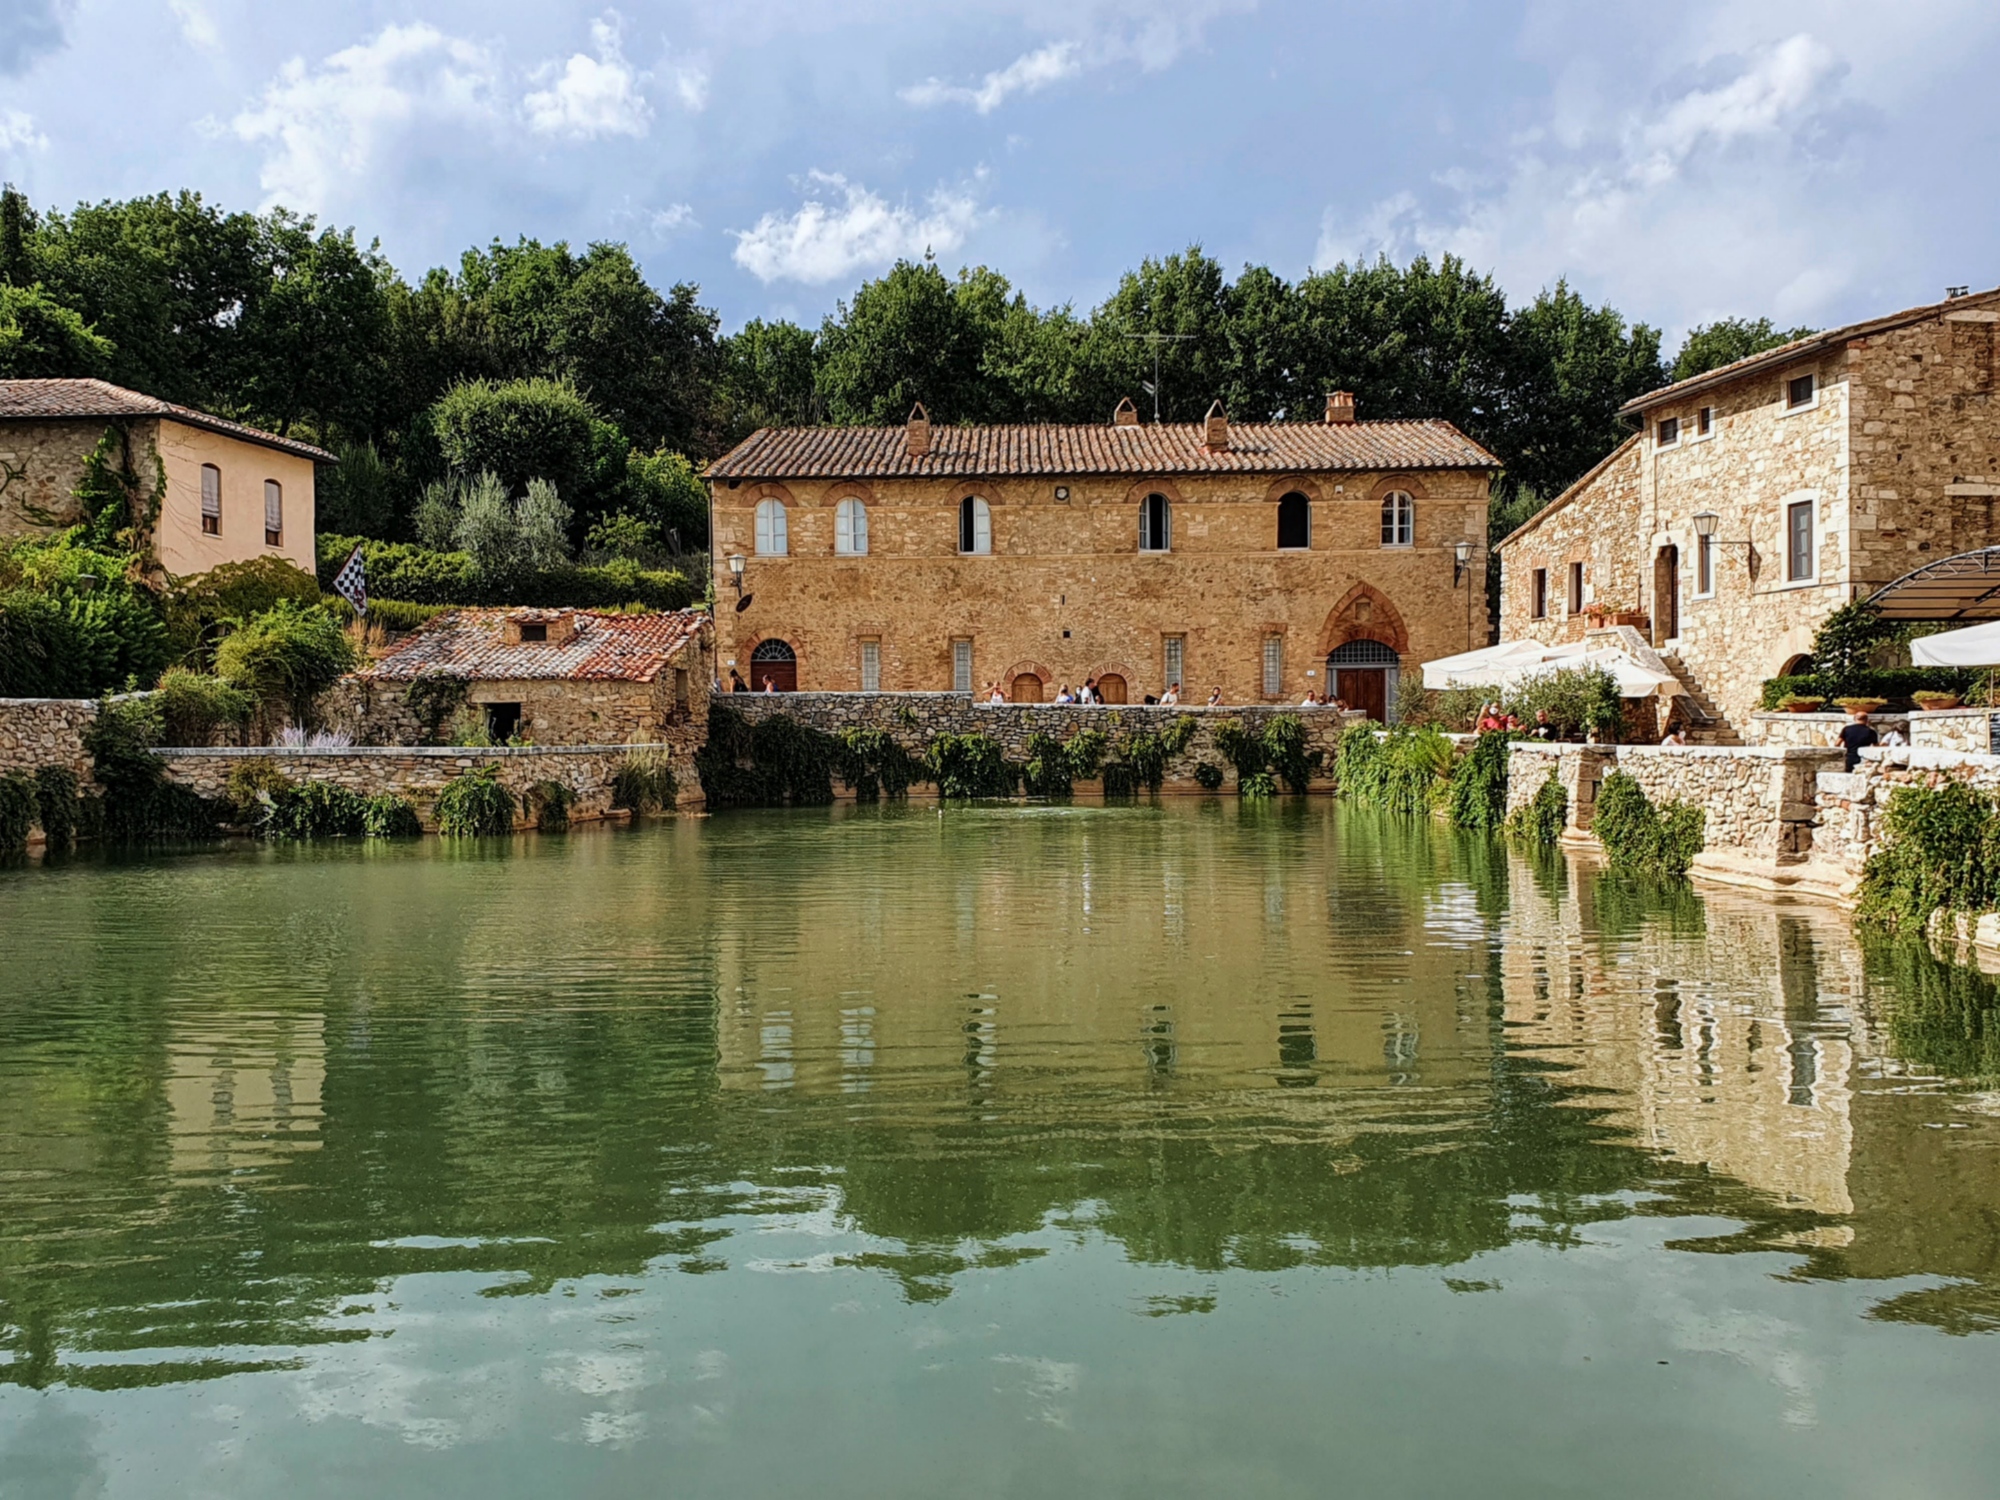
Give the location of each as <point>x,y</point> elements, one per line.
<point>1705,725</point>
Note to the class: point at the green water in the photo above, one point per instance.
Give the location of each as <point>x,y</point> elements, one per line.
<point>1179,1151</point>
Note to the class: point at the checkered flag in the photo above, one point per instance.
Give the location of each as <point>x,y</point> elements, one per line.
<point>351,583</point>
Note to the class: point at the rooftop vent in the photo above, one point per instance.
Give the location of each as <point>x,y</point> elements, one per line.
<point>1215,435</point>
<point>918,431</point>
<point>1339,407</point>
<point>1126,415</point>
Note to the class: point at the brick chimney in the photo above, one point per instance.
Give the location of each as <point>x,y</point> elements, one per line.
<point>1215,436</point>
<point>1126,414</point>
<point>1339,407</point>
<point>918,431</point>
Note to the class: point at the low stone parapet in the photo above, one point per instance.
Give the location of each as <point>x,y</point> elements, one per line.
<point>37,732</point>
<point>913,720</point>
<point>1814,731</point>
<point>419,772</point>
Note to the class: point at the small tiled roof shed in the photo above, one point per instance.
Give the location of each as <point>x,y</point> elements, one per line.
<point>542,645</point>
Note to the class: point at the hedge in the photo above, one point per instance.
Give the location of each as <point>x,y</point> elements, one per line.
<point>1893,684</point>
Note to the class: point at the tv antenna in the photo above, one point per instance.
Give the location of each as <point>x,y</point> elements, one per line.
<point>1152,387</point>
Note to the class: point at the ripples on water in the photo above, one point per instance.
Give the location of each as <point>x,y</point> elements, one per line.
<point>1188,1150</point>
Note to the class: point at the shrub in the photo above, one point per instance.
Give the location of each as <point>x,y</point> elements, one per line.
<point>20,804</point>
<point>644,782</point>
<point>1477,797</point>
<point>139,803</point>
<point>874,765</point>
<point>1284,745</point>
<point>773,763</point>
<point>1048,772</point>
<point>1404,771</point>
<point>61,812</point>
<point>969,766</point>
<point>1261,784</point>
<point>253,787</point>
<point>474,804</point>
<point>1579,701</point>
<point>387,816</point>
<point>1894,685</point>
<point>551,802</point>
<point>1942,853</point>
<point>419,575</point>
<point>200,609</point>
<point>287,656</point>
<point>1644,839</point>
<point>314,810</point>
<point>72,623</point>
<point>1453,710</point>
<point>193,706</point>
<point>1241,748</point>
<point>435,696</point>
<point>519,430</point>
<point>1540,822</point>
<point>1208,775</point>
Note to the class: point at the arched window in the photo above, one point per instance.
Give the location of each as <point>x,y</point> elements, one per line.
<point>274,514</point>
<point>1399,520</point>
<point>774,667</point>
<point>773,539</point>
<point>1294,520</point>
<point>211,500</point>
<point>1156,524</point>
<point>850,529</point>
<point>975,526</point>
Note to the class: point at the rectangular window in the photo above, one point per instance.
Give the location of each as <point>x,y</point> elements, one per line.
<point>1669,431</point>
<point>1175,646</point>
<point>871,667</point>
<point>1704,566</point>
<point>1538,605</point>
<point>530,634</point>
<point>1799,392</point>
<point>1799,540</point>
<point>1704,421</point>
<point>211,500</point>
<point>1576,588</point>
<point>682,701</point>
<point>1274,665</point>
<point>274,514</point>
<point>961,666</point>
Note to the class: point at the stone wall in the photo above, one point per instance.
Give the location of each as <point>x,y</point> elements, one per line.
<point>1851,804</point>
<point>376,711</point>
<point>1066,594</point>
<point>915,719</point>
<point>1590,523</point>
<point>1973,731</point>
<point>1812,731</point>
<point>420,772</point>
<point>37,732</point>
<point>40,464</point>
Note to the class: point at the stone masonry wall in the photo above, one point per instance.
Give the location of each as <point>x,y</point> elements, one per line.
<point>915,719</point>
<point>36,732</point>
<point>1812,731</point>
<point>420,772</point>
<point>40,463</point>
<point>1593,524</point>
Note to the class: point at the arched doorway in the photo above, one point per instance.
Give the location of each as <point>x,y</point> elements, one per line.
<point>1364,675</point>
<point>1111,688</point>
<point>1025,688</point>
<point>1667,595</point>
<point>1796,666</point>
<point>773,662</point>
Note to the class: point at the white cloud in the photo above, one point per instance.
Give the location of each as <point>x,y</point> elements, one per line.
<point>691,84</point>
<point>860,231</point>
<point>325,128</point>
<point>18,132</point>
<point>198,28</point>
<point>1026,74</point>
<point>1762,101</point>
<point>671,220</point>
<point>592,96</point>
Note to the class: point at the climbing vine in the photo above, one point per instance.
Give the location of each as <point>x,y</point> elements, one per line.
<point>1942,854</point>
<point>435,696</point>
<point>474,804</point>
<point>1641,837</point>
<point>1477,795</point>
<point>1539,822</point>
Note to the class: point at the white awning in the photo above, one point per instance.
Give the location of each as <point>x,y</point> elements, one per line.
<point>1974,646</point>
<point>1513,662</point>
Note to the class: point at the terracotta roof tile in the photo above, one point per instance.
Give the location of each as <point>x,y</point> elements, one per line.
<point>56,400</point>
<point>1158,448</point>
<point>472,643</point>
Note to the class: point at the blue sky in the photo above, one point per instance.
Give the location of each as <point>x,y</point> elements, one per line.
<point>1816,162</point>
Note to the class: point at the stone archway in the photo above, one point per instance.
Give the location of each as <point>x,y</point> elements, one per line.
<point>1364,613</point>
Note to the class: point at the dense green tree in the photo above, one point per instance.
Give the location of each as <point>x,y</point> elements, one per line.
<point>526,429</point>
<point>904,339</point>
<point>1727,340</point>
<point>42,339</point>
<point>766,379</point>
<point>1184,299</point>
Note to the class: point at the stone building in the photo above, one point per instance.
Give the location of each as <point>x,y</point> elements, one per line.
<point>233,493</point>
<point>549,676</point>
<point>1758,498</point>
<point>1267,560</point>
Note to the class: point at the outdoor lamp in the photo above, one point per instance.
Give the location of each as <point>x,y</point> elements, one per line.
<point>737,562</point>
<point>1705,523</point>
<point>1461,554</point>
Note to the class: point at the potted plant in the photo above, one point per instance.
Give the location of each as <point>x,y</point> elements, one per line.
<point>1935,702</point>
<point>1801,703</point>
<point>1861,705</point>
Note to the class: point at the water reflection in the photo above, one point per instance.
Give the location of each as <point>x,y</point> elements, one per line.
<point>625,1115</point>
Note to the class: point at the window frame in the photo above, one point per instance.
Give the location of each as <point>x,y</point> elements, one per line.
<point>850,527</point>
<point>1399,519</point>
<point>1305,505</point>
<point>772,525</point>
<point>1704,567</point>
<point>1155,540</point>
<point>211,514</point>
<point>1810,510</point>
<point>1273,666</point>
<point>1173,660</point>
<point>1538,594</point>
<point>1576,582</point>
<point>274,510</point>
<point>975,524</point>
<point>1667,432</point>
<point>1792,382</point>
<point>961,664</point>
<point>1704,424</point>
<point>871,664</point>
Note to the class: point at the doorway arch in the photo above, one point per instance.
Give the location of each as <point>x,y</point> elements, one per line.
<point>1025,688</point>
<point>775,662</point>
<point>1365,673</point>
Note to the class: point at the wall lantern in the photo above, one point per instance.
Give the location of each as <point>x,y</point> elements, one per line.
<point>1705,523</point>
<point>1461,554</point>
<point>737,563</point>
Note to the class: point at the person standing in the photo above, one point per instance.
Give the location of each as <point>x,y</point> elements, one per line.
<point>1855,736</point>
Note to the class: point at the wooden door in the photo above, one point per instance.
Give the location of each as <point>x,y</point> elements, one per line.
<point>1111,688</point>
<point>1667,596</point>
<point>1027,688</point>
<point>1365,688</point>
<point>783,676</point>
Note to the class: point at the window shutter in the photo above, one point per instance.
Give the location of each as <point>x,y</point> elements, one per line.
<point>211,490</point>
<point>274,511</point>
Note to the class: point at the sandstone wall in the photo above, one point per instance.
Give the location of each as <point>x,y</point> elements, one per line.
<point>40,463</point>
<point>36,732</point>
<point>1066,594</point>
<point>915,719</point>
<point>553,712</point>
<point>1593,523</point>
<point>420,772</point>
<point>1812,731</point>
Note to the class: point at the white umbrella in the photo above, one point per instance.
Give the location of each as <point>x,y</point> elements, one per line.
<point>1512,663</point>
<point>1974,646</point>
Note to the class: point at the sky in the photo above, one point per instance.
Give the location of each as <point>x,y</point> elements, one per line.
<point>1817,163</point>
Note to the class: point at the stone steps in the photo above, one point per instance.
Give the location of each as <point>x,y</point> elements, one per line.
<point>1710,727</point>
